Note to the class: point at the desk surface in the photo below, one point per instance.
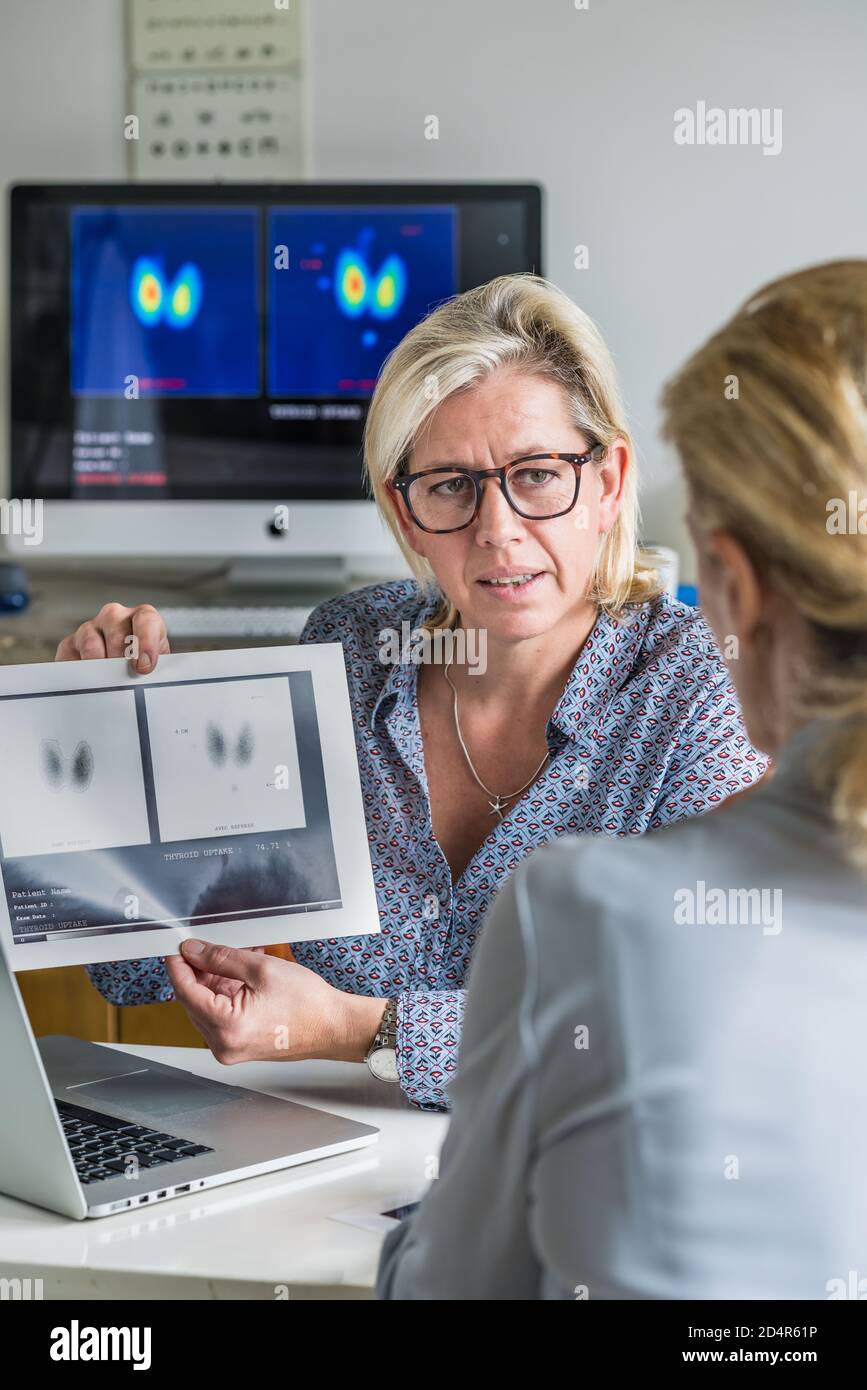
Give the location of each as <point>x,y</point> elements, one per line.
<point>248,1238</point>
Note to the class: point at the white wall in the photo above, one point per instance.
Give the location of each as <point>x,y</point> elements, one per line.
<point>62,82</point>
<point>581,100</point>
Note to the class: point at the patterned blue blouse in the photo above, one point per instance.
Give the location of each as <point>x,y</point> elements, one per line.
<point>648,730</point>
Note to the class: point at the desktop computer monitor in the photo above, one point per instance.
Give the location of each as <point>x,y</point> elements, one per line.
<point>191,366</point>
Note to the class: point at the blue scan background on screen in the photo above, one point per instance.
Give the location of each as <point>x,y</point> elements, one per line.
<point>202,339</point>
<point>357,280</point>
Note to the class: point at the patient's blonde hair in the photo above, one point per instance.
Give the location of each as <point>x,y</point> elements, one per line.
<point>770,421</point>
<point>519,321</point>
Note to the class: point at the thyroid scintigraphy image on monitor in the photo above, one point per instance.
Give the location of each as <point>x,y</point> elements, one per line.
<point>72,773</point>
<point>225,758</point>
<point>345,285</point>
<point>165,301</point>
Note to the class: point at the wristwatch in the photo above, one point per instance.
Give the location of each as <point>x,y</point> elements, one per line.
<point>382,1054</point>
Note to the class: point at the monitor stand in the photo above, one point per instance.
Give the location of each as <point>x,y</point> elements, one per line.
<point>294,574</point>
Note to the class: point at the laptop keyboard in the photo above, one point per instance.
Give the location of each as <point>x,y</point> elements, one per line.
<point>102,1145</point>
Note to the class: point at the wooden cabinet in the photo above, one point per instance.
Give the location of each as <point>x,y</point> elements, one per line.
<point>65,1001</point>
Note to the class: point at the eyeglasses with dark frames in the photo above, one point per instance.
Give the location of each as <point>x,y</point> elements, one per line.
<point>538,487</point>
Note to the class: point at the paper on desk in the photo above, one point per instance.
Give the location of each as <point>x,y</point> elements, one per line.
<point>388,1212</point>
<point>218,797</point>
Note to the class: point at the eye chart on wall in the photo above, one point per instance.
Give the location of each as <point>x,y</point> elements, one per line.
<point>218,90</point>
<point>218,797</point>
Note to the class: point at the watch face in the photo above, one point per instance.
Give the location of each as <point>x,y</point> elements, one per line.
<point>383,1063</point>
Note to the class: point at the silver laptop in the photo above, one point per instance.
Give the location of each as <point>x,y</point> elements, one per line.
<point>88,1131</point>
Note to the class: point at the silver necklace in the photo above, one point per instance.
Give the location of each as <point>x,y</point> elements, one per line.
<point>499,803</point>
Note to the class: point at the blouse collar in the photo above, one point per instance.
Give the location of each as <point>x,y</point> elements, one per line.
<point>604,664</point>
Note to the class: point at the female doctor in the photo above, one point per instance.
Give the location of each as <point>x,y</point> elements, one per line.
<point>498,453</point>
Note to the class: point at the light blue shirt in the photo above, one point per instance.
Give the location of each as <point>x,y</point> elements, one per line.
<point>662,1078</point>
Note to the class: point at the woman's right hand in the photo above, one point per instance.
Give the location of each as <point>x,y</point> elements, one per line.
<point>137,633</point>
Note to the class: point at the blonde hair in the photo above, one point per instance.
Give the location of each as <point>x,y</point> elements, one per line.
<point>770,421</point>
<point>525,322</point>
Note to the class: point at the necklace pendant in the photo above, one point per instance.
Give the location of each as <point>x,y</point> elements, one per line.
<point>497,807</point>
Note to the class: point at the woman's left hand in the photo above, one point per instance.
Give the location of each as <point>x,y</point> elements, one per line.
<point>249,1006</point>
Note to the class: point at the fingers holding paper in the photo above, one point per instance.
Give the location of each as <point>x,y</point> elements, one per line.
<point>224,984</point>
<point>139,634</point>
<point>250,1006</point>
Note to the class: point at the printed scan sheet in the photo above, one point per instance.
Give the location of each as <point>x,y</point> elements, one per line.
<point>218,797</point>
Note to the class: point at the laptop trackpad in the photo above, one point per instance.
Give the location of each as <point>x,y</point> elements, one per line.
<point>153,1092</point>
